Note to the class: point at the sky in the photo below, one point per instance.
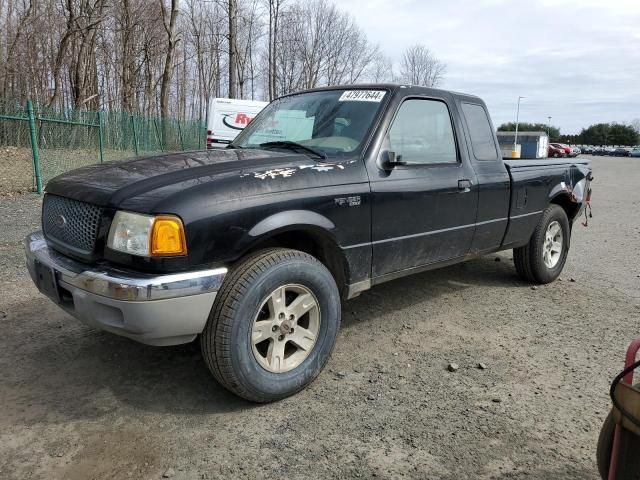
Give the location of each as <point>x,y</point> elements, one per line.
<point>577,61</point>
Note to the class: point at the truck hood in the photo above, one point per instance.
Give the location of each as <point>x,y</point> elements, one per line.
<point>153,184</point>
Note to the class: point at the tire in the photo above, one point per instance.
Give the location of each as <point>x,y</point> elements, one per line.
<point>248,295</point>
<point>530,259</point>
<point>556,155</point>
<point>605,445</point>
<point>628,466</point>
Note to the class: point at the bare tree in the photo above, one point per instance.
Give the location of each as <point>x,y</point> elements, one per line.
<point>246,45</point>
<point>381,70</point>
<point>83,61</point>
<point>319,45</point>
<point>275,7</point>
<point>232,14</point>
<point>12,39</point>
<point>172,40</point>
<point>204,40</point>
<point>168,58</point>
<point>420,67</point>
<point>62,50</point>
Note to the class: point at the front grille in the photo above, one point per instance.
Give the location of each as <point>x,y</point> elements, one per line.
<point>70,222</point>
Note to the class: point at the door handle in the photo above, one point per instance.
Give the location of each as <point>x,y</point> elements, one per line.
<point>464,185</point>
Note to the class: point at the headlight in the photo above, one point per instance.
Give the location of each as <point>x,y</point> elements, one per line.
<point>147,235</point>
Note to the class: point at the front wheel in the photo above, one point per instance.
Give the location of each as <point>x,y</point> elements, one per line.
<point>273,325</point>
<point>543,258</point>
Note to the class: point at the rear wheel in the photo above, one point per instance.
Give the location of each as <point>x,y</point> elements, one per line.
<point>273,325</point>
<point>543,258</point>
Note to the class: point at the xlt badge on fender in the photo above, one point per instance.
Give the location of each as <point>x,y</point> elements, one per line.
<point>348,201</point>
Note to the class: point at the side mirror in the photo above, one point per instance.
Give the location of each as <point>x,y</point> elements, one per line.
<point>390,160</point>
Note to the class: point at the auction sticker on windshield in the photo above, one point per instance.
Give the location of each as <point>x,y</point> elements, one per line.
<point>362,96</point>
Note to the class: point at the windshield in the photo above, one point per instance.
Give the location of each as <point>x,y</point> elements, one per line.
<point>332,122</point>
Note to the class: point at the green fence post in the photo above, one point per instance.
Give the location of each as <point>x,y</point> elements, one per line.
<point>34,146</point>
<point>135,135</point>
<point>100,122</point>
<point>180,133</point>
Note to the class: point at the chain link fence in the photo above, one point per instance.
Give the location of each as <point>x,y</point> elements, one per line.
<point>38,143</point>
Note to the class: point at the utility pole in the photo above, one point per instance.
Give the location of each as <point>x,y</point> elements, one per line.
<point>549,128</point>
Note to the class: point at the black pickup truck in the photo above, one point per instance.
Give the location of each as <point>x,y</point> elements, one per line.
<point>325,194</point>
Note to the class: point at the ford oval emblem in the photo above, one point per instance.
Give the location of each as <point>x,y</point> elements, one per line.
<point>61,222</point>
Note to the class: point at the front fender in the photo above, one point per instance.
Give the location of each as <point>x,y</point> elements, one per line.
<point>307,231</point>
<point>288,220</point>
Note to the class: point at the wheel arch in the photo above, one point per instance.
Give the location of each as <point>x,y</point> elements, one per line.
<point>564,200</point>
<point>306,231</point>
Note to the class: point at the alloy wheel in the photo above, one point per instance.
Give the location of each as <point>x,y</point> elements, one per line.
<point>286,328</point>
<point>552,248</point>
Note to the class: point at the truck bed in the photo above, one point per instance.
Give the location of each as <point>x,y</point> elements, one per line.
<point>534,183</point>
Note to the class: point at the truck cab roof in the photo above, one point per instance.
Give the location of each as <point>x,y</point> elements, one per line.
<point>392,87</point>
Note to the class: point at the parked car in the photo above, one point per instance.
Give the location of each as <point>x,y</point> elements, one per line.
<point>603,151</point>
<point>324,194</point>
<point>635,152</point>
<point>622,152</point>
<point>575,151</point>
<point>567,150</point>
<point>600,151</point>
<point>587,149</point>
<point>609,151</point>
<point>555,151</point>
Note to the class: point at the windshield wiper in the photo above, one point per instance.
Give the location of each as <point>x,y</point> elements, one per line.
<point>293,146</point>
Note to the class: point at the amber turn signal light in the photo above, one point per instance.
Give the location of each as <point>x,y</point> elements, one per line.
<point>167,237</point>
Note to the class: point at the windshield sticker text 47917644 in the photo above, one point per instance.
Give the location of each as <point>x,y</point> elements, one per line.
<point>362,96</point>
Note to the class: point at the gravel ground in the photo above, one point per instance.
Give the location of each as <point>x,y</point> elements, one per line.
<point>78,403</point>
<point>16,170</point>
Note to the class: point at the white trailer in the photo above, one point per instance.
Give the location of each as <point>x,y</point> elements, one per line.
<point>227,118</point>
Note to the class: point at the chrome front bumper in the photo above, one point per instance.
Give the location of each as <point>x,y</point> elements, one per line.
<point>153,309</point>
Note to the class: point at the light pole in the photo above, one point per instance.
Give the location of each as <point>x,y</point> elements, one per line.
<point>515,139</point>
<point>549,128</point>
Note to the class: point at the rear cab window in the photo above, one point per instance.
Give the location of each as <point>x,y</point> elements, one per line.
<point>482,138</point>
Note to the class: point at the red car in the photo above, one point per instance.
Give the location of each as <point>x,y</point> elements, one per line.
<point>558,150</point>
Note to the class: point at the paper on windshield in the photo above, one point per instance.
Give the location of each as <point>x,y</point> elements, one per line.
<point>362,96</point>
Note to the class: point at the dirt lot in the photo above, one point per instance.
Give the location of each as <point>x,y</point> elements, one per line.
<point>16,170</point>
<point>78,403</point>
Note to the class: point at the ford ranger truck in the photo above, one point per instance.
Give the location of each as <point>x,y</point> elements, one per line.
<point>325,194</point>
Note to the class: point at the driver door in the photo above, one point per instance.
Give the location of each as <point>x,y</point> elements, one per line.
<point>424,209</point>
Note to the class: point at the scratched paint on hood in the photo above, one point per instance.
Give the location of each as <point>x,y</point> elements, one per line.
<point>322,167</point>
<point>275,172</point>
<point>288,172</point>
